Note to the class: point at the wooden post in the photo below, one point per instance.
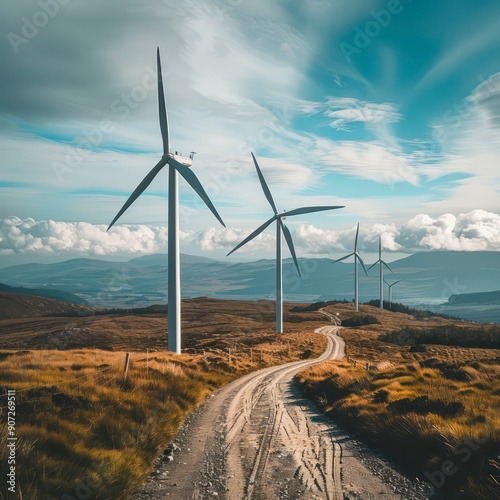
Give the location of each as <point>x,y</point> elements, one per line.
<point>367,366</point>
<point>147,362</point>
<point>229,354</point>
<point>125,368</point>
<point>261,355</point>
<point>251,355</point>
<point>204,355</point>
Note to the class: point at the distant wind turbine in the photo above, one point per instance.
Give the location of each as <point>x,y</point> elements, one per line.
<point>357,258</point>
<point>382,264</point>
<point>280,227</point>
<point>180,164</point>
<point>390,285</point>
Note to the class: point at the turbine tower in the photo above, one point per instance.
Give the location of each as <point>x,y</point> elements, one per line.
<point>382,264</point>
<point>390,289</point>
<point>280,228</point>
<point>176,164</point>
<point>357,258</point>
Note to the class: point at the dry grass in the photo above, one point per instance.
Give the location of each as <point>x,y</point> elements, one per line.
<point>79,423</point>
<point>430,408</point>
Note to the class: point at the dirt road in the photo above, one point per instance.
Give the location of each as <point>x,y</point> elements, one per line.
<point>259,438</point>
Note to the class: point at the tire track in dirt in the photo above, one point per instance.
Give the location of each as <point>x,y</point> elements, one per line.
<point>279,437</point>
<point>259,438</point>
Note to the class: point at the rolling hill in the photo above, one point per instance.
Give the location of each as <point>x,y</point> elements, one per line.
<point>428,279</point>
<point>49,293</point>
<point>16,305</point>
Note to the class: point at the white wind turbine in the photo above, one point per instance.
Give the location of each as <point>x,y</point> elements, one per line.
<point>357,258</point>
<point>280,228</point>
<point>176,164</point>
<point>390,285</point>
<point>382,264</point>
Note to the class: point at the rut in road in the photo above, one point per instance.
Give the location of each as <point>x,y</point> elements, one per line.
<point>272,449</point>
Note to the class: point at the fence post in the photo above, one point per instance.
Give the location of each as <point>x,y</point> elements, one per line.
<point>147,362</point>
<point>125,368</point>
<point>229,354</point>
<point>251,355</point>
<point>204,355</point>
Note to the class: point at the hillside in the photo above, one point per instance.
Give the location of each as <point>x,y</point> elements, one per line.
<point>483,298</point>
<point>428,278</point>
<point>16,305</point>
<point>49,293</point>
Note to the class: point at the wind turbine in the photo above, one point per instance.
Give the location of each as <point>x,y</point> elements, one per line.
<point>357,258</point>
<point>382,264</point>
<point>390,289</point>
<point>176,164</point>
<point>280,228</point>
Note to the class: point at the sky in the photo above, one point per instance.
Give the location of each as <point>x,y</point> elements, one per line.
<point>390,108</point>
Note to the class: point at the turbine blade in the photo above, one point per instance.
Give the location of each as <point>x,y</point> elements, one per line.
<point>307,210</point>
<point>389,285</point>
<point>343,258</point>
<point>193,181</point>
<point>265,187</point>
<point>139,189</point>
<point>289,241</point>
<point>387,265</point>
<point>396,282</point>
<point>356,240</point>
<point>162,107</point>
<point>380,247</point>
<point>251,236</point>
<point>374,264</point>
<point>362,263</point>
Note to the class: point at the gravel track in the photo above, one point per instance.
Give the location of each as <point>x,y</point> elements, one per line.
<point>259,438</point>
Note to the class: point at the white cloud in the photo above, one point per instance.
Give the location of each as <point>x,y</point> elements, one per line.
<point>368,160</point>
<point>346,111</point>
<point>472,231</point>
<point>475,230</point>
<point>329,241</point>
<point>27,236</point>
<point>227,238</point>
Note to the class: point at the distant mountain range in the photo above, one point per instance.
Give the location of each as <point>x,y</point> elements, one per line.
<point>481,298</point>
<point>429,279</point>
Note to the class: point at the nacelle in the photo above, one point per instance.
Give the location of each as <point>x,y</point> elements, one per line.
<point>187,162</point>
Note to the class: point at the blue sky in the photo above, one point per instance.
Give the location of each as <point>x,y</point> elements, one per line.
<point>391,108</point>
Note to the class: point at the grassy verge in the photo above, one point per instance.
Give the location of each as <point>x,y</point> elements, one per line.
<point>85,432</point>
<point>434,410</point>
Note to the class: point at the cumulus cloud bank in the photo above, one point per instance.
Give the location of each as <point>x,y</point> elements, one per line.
<point>472,231</point>
<point>27,236</point>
